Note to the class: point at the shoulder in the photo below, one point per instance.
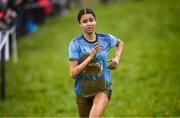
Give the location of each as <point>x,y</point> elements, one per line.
<point>75,42</point>
<point>104,35</point>
<point>76,39</point>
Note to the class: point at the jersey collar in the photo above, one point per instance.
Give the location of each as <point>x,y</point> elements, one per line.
<point>90,41</point>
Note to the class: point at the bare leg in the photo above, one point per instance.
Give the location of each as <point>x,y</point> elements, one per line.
<point>99,104</point>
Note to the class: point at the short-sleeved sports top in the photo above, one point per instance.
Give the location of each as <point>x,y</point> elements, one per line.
<point>80,48</point>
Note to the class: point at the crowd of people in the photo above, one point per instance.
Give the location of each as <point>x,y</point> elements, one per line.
<point>26,15</point>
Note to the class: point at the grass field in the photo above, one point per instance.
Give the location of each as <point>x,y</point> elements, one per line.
<point>145,84</point>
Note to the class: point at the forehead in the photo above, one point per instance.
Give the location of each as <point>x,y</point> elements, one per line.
<point>87,16</point>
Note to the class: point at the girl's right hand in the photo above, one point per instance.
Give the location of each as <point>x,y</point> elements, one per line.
<point>95,49</point>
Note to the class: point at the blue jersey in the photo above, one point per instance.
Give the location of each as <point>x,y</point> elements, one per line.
<point>79,47</point>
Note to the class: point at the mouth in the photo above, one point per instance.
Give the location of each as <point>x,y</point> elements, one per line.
<point>89,29</point>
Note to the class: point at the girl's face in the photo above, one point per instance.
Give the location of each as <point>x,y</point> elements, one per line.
<point>88,23</point>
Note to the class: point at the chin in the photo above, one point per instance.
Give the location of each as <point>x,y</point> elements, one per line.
<point>89,32</point>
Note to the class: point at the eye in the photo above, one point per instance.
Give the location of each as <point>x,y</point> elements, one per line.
<point>84,21</point>
<point>91,19</point>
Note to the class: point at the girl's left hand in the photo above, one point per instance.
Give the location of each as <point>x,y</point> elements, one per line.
<point>113,63</point>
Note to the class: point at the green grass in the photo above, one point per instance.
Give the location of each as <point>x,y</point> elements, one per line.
<point>145,84</point>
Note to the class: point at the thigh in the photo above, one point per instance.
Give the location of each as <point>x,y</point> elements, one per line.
<point>84,105</point>
<point>99,104</point>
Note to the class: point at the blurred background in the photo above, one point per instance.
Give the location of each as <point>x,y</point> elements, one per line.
<point>35,77</point>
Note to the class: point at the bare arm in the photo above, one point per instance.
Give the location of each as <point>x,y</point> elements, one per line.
<point>119,49</point>
<point>75,69</point>
<point>115,61</point>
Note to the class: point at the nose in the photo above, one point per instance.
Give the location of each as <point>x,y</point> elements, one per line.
<point>89,23</point>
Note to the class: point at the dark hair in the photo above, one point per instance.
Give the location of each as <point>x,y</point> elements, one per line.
<point>85,11</point>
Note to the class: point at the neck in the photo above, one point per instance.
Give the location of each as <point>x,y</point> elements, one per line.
<point>90,37</point>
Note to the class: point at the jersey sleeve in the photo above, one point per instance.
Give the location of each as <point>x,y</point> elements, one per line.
<point>73,51</point>
<point>113,41</point>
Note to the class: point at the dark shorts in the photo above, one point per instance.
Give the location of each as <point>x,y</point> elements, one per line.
<point>90,87</point>
<point>84,104</point>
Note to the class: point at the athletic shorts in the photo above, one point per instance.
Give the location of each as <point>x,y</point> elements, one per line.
<point>84,104</point>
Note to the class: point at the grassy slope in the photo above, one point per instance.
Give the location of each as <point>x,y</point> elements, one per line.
<point>145,84</point>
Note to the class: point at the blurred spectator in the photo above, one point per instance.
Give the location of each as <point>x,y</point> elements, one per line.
<point>56,7</point>
<point>37,13</point>
<point>46,5</point>
<point>3,4</point>
<point>3,25</point>
<point>12,12</point>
